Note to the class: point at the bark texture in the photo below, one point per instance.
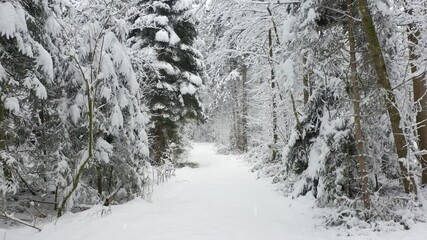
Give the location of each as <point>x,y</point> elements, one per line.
<point>357,110</point>
<point>420,97</point>
<point>274,96</point>
<point>242,136</point>
<point>383,81</point>
<point>7,171</point>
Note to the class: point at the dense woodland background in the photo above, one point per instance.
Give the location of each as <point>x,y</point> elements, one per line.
<point>100,99</point>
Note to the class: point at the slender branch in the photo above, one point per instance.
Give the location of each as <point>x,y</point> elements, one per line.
<point>268,2</point>
<point>10,217</point>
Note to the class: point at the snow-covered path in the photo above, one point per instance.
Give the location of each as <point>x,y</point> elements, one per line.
<point>220,200</point>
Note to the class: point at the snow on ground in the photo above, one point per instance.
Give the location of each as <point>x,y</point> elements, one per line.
<point>220,200</point>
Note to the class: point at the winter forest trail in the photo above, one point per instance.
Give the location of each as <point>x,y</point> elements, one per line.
<point>220,200</point>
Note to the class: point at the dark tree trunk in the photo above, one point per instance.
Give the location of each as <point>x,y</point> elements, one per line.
<point>7,171</point>
<point>357,110</point>
<point>274,100</point>
<point>242,138</point>
<point>420,97</point>
<point>159,142</point>
<point>378,63</point>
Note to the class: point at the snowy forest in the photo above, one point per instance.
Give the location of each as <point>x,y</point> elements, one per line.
<point>104,103</point>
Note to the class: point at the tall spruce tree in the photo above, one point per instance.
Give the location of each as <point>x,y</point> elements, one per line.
<point>165,32</point>
<point>26,71</point>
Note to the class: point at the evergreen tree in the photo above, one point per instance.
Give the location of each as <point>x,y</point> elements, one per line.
<point>166,32</point>
<point>54,56</point>
<point>103,110</point>
<point>26,72</point>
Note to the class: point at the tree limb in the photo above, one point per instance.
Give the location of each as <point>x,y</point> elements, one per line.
<point>8,216</point>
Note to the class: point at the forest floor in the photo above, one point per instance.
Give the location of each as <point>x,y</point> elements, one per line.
<point>219,200</point>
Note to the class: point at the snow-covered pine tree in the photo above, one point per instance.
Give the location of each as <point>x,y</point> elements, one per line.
<point>103,110</point>
<point>165,32</point>
<point>26,71</point>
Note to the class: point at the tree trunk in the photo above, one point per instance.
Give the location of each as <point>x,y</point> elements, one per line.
<point>159,144</point>
<point>356,109</point>
<point>242,140</point>
<point>420,97</point>
<point>99,180</point>
<point>383,80</point>
<point>274,100</point>
<point>306,81</point>
<point>7,171</point>
<point>110,179</point>
<point>55,206</point>
<point>235,116</point>
<point>81,167</point>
